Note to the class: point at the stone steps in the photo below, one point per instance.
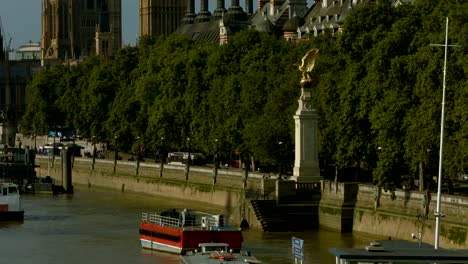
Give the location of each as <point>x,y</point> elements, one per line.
<point>270,216</point>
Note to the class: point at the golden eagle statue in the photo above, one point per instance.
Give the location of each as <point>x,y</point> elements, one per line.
<point>308,63</point>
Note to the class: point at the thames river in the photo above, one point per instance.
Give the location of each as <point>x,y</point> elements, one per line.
<point>101,226</point>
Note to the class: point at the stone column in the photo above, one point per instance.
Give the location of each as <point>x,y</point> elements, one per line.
<point>204,15</point>
<point>190,14</point>
<point>220,10</point>
<point>306,164</point>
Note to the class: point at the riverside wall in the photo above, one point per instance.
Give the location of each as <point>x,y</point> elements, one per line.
<point>346,207</point>
<point>227,194</point>
<point>396,214</point>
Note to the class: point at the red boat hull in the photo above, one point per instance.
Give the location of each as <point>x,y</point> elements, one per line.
<point>175,240</point>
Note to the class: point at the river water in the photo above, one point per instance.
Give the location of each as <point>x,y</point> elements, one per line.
<point>95,226</point>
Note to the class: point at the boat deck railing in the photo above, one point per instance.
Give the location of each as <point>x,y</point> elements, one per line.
<point>199,222</point>
<point>160,220</point>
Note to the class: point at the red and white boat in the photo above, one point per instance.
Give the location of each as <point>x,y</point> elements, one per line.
<point>10,202</point>
<point>179,232</point>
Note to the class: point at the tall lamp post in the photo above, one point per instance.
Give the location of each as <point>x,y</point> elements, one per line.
<point>94,152</point>
<point>116,153</point>
<point>163,158</point>
<point>35,142</point>
<point>53,147</point>
<point>138,156</point>
<point>216,163</point>
<point>189,161</point>
<point>34,135</point>
<point>246,161</point>
<point>280,161</point>
<point>437,213</point>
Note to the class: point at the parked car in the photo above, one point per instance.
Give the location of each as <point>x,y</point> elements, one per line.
<point>464,175</point>
<point>198,159</point>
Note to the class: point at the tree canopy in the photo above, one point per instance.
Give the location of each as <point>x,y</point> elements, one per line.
<point>378,93</point>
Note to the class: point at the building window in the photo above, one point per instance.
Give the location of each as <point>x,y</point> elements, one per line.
<point>90,4</point>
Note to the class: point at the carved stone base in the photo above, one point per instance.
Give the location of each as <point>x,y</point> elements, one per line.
<point>305,179</point>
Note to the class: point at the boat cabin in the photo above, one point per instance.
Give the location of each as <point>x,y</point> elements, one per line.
<point>9,188</point>
<point>9,197</point>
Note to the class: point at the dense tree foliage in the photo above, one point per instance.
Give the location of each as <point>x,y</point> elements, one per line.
<point>378,89</point>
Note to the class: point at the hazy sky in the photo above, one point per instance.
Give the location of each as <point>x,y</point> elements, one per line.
<point>21,19</point>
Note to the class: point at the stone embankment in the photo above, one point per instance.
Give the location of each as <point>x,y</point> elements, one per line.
<point>346,207</point>
<point>407,215</point>
<point>228,192</point>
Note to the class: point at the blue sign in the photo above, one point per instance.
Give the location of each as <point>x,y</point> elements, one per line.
<point>297,245</point>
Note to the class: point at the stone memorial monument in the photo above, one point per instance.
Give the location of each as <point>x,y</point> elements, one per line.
<point>306,164</point>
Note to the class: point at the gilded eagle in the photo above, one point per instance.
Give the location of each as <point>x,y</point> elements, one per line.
<point>308,63</point>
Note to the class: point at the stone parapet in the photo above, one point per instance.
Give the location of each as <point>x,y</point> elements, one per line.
<point>400,214</point>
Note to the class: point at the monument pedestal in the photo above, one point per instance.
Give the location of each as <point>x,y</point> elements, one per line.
<point>306,164</point>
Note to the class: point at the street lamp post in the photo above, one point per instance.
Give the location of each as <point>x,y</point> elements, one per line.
<point>216,163</point>
<point>94,152</point>
<point>246,161</point>
<point>35,142</point>
<point>163,158</point>
<point>138,156</point>
<point>189,161</point>
<point>280,161</point>
<point>116,153</point>
<point>53,147</point>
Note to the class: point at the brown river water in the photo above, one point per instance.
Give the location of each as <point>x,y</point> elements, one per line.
<point>94,226</point>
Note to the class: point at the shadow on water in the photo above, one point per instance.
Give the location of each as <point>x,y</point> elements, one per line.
<point>46,217</point>
<point>11,224</point>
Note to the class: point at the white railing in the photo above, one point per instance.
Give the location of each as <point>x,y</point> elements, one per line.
<point>160,220</point>
<point>196,221</point>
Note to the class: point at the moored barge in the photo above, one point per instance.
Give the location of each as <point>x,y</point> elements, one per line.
<point>178,232</point>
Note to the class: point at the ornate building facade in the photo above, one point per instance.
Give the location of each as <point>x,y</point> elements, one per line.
<point>161,17</point>
<point>73,29</point>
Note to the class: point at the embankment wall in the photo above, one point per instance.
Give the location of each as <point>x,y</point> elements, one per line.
<point>396,214</point>
<point>228,193</point>
<point>343,206</point>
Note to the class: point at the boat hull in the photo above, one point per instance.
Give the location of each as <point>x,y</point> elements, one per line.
<point>162,238</point>
<point>179,232</point>
<point>11,216</point>
<point>153,245</point>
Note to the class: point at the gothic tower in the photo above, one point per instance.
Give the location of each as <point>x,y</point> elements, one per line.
<point>69,28</point>
<point>104,36</point>
<point>161,17</point>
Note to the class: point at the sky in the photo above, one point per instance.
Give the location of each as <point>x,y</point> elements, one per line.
<point>25,27</point>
